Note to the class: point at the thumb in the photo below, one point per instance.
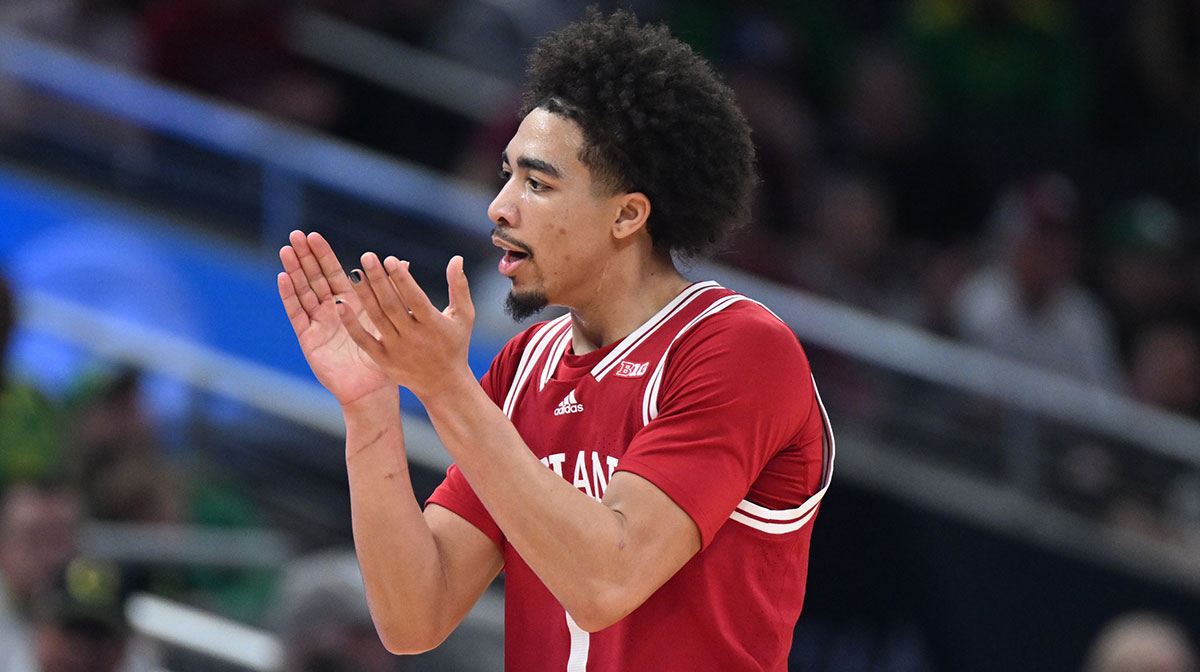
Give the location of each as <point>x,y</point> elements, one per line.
<point>459,290</point>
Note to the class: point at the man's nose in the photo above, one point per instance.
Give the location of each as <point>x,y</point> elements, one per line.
<point>503,207</point>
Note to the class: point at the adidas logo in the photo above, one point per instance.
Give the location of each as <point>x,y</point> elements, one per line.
<point>569,405</point>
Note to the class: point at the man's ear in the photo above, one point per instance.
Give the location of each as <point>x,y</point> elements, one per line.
<point>633,214</point>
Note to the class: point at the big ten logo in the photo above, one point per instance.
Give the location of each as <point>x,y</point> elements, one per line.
<point>631,369</point>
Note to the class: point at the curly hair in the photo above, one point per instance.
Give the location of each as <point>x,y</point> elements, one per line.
<point>656,118</point>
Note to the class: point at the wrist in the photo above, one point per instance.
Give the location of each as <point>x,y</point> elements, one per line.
<point>448,388</point>
<point>372,406</point>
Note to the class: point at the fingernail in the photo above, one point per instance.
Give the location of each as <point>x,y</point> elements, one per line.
<point>356,276</point>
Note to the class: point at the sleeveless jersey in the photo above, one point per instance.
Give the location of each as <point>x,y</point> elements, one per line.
<point>711,400</point>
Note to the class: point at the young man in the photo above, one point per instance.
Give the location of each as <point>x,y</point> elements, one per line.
<point>645,470</point>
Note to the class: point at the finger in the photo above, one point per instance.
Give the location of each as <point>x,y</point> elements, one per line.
<point>304,293</point>
<point>368,297</point>
<point>310,265</point>
<point>351,320</point>
<point>460,291</point>
<point>390,302</point>
<point>410,292</point>
<point>291,303</point>
<point>331,268</point>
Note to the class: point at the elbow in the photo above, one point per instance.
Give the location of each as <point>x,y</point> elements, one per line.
<point>602,609</point>
<point>403,644</point>
<point>408,637</point>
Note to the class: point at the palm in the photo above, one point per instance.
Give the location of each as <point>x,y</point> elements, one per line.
<point>338,363</point>
<point>310,286</point>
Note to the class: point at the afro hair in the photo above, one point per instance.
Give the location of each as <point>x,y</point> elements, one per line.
<point>656,118</point>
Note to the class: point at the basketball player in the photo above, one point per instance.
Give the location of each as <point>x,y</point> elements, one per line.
<point>645,469</point>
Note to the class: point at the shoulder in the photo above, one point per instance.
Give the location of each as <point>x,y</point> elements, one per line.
<point>737,321</point>
<point>743,339</point>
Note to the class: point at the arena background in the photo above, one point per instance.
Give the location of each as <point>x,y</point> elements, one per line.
<point>1004,489</point>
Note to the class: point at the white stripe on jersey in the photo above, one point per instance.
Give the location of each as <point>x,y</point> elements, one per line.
<point>762,518</point>
<point>556,353</point>
<point>650,399</point>
<point>532,352</point>
<point>643,332</point>
<point>771,528</point>
<point>581,643</point>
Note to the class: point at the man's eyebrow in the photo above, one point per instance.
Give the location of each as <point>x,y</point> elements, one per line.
<point>531,163</point>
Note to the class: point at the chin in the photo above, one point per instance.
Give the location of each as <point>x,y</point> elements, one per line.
<point>522,304</point>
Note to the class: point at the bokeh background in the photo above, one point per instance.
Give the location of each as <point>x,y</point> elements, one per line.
<point>979,216</point>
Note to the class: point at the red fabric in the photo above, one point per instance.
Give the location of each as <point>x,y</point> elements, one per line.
<point>738,420</point>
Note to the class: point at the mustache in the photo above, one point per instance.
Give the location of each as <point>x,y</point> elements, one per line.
<point>502,234</point>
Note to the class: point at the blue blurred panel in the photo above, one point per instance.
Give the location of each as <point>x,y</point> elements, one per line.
<point>130,265</point>
<point>133,267</point>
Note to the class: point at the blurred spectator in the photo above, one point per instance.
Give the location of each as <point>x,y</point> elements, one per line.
<point>236,49</point>
<point>1027,301</point>
<point>1164,367</point>
<point>1142,642</point>
<point>29,434</point>
<point>108,421</point>
<point>79,626</point>
<point>787,136</point>
<point>767,56</point>
<point>321,617</point>
<point>883,128</point>
<point>852,254</point>
<point>1143,264</point>
<point>106,30</point>
<point>123,475</point>
<point>38,524</point>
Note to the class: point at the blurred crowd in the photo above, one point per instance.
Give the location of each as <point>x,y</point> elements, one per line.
<point>1019,174</point>
<point>94,458</point>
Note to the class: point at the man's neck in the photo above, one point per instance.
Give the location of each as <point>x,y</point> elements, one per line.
<point>624,304</point>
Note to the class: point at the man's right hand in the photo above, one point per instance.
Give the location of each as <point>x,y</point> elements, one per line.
<point>310,286</point>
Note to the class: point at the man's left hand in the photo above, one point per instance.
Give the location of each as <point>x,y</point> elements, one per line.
<point>420,347</point>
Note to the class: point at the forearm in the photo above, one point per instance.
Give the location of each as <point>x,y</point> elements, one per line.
<point>397,553</point>
<point>582,549</point>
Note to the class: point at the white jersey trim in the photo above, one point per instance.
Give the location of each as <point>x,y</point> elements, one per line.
<point>771,528</point>
<point>556,353</point>
<point>634,339</point>
<point>532,352</point>
<point>581,644</point>
<point>782,521</point>
<point>650,398</point>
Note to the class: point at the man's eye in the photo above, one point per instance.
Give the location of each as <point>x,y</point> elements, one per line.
<point>505,174</point>
<point>535,185</point>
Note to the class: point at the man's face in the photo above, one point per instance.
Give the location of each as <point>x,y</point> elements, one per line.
<point>77,649</point>
<point>37,539</point>
<point>551,218</point>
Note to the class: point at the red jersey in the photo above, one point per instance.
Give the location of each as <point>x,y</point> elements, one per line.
<point>711,400</point>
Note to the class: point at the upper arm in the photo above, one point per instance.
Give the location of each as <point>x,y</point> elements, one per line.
<point>657,539</point>
<point>725,411</point>
<point>470,561</point>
